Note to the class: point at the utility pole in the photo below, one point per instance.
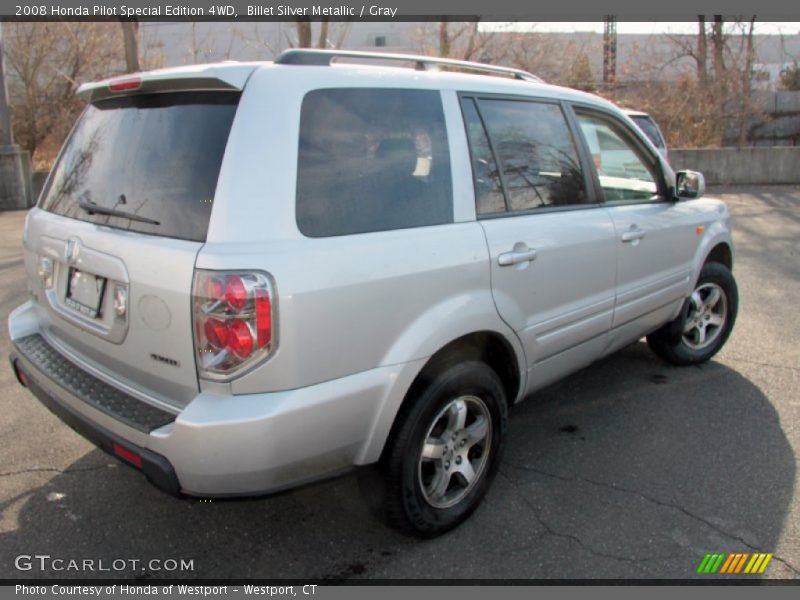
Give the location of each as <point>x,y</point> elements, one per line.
<point>610,50</point>
<point>5,115</point>
<point>15,163</point>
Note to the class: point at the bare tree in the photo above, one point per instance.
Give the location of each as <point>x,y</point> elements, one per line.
<point>327,31</point>
<point>718,47</point>
<point>716,106</point>
<point>45,62</point>
<point>303,33</point>
<point>790,77</point>
<point>463,40</point>
<point>322,42</point>
<point>342,28</point>
<point>580,74</point>
<point>194,48</point>
<point>701,57</point>
<point>747,88</point>
<point>130,36</point>
<point>444,39</point>
<point>331,35</point>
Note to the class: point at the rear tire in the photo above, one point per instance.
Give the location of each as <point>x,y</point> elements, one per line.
<point>445,451</point>
<point>705,322</point>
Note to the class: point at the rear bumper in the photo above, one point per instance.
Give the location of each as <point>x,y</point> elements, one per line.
<point>221,445</point>
<point>155,467</point>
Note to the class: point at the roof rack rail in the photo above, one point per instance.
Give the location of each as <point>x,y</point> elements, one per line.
<point>309,57</point>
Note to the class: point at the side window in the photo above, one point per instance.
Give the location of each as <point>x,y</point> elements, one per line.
<point>540,166</point>
<point>488,189</point>
<point>372,160</point>
<point>623,174</point>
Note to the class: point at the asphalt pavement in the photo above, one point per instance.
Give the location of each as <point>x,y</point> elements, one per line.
<point>630,468</point>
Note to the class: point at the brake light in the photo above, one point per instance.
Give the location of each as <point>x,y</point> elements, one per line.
<point>125,85</point>
<point>233,316</point>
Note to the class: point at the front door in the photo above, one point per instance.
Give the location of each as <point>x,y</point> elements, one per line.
<point>656,237</point>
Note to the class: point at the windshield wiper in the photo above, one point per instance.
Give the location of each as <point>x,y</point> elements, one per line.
<point>92,208</point>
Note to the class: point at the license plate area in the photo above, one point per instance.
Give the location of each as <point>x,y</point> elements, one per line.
<point>85,292</point>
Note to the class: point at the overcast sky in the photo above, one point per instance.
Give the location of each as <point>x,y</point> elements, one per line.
<point>786,27</point>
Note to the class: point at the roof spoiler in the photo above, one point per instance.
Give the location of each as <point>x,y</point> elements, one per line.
<point>224,77</point>
<point>308,57</point>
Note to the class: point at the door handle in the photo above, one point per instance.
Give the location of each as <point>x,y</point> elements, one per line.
<point>632,235</point>
<point>516,256</point>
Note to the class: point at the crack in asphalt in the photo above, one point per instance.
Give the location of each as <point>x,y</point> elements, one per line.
<point>648,498</point>
<point>762,364</point>
<point>54,470</point>
<point>569,536</point>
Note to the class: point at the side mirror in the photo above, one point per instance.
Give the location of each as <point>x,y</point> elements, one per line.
<point>689,185</point>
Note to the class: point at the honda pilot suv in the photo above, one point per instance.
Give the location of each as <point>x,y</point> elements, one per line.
<point>248,276</point>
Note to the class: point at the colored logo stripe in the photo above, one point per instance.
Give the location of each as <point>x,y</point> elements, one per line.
<point>710,563</point>
<point>727,564</point>
<point>734,563</point>
<point>758,563</point>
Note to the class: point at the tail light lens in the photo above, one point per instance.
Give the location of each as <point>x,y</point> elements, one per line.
<point>234,321</point>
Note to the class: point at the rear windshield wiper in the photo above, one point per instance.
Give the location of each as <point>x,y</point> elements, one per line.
<point>92,208</point>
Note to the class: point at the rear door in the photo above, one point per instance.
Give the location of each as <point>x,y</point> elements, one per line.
<point>552,248</point>
<point>124,213</point>
<point>656,237</point>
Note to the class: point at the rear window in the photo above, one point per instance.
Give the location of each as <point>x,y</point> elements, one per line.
<point>152,160</point>
<point>372,160</point>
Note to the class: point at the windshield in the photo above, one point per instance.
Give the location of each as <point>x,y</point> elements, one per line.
<point>648,126</point>
<point>155,157</point>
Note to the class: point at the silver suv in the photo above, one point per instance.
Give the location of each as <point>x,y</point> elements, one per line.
<point>248,276</point>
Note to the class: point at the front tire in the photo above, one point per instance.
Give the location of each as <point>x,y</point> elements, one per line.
<point>705,323</point>
<point>446,450</point>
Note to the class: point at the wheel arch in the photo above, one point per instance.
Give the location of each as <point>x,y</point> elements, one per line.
<point>716,246</point>
<point>495,348</point>
<point>721,253</point>
<point>489,347</point>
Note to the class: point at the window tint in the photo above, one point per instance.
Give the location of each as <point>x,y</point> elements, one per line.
<point>372,160</point>
<point>488,190</point>
<point>537,153</point>
<point>156,157</point>
<point>623,174</point>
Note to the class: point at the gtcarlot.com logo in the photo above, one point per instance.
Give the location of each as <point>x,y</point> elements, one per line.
<point>734,564</point>
<point>46,562</point>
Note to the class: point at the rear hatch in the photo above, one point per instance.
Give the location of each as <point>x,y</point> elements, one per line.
<point>118,228</point>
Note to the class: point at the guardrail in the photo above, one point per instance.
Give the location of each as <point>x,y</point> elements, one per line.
<point>733,166</point>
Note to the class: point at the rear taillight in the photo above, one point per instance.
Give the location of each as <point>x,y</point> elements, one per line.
<point>234,321</point>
